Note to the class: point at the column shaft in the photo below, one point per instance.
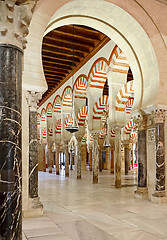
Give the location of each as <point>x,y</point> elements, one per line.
<point>117,158</point>
<point>50,158</point>
<point>90,158</point>
<point>95,158</point>
<point>126,158</point>
<point>66,160</point>
<point>100,160</point>
<point>160,158</point>
<point>44,160</point>
<point>79,158</point>
<point>142,159</point>
<point>57,160</point>
<point>33,155</point>
<point>10,142</point>
<point>112,161</point>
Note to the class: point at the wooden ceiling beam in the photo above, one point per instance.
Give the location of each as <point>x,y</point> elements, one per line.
<point>55,72</point>
<point>67,52</point>
<point>59,56</point>
<point>58,64</point>
<point>80,32</point>
<point>53,75</point>
<point>73,38</point>
<point>67,44</point>
<point>52,68</point>
<point>59,61</point>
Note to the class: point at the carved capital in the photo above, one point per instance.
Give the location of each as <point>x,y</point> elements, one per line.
<point>159,115</point>
<point>15,17</point>
<point>33,99</point>
<point>141,122</point>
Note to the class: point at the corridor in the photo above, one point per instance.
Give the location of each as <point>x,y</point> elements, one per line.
<point>79,210</point>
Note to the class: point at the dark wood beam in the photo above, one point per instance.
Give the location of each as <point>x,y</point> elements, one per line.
<point>59,56</point>
<point>65,51</point>
<point>58,65</point>
<point>59,61</point>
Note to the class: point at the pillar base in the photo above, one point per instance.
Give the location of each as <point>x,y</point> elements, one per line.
<point>141,193</point>
<point>112,170</point>
<point>35,208</point>
<point>158,197</point>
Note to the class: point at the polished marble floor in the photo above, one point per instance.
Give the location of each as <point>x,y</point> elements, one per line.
<point>79,210</point>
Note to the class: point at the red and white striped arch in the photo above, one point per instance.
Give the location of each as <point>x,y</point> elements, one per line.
<point>133,136</point>
<point>102,133</point>
<point>99,107</point>
<point>50,130</point>
<point>83,112</point>
<point>84,138</point>
<point>80,86</point>
<point>123,96</point>
<point>97,75</point>
<point>67,97</point>
<point>129,126</point>
<point>118,61</point>
<point>38,119</point>
<point>69,120</point>
<point>58,126</point>
<point>112,133</point>
<point>49,110</point>
<point>44,133</point>
<point>43,115</point>
<point>91,138</point>
<point>57,104</point>
<point>129,105</point>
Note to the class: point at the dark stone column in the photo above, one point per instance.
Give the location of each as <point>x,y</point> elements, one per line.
<point>160,157</point>
<point>33,155</point>
<point>95,157</point>
<point>57,159</point>
<point>44,160</point>
<point>50,157</point>
<point>126,156</point>
<point>71,160</point>
<point>78,157</point>
<point>90,158</point>
<point>10,142</point>
<point>142,158</point>
<point>66,159</point>
<point>112,161</point>
<point>117,161</point>
<point>100,160</point>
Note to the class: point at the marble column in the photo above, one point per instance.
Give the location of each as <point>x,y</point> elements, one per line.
<point>142,158</point>
<point>32,99</point>
<point>66,159</point>
<point>107,165</point>
<point>10,142</point>
<point>78,157</point>
<point>40,157</point>
<point>159,195</point>
<point>83,156</point>
<point>90,158</point>
<point>112,161</point>
<point>100,160</point>
<point>44,159</point>
<point>126,157</point>
<point>50,157</point>
<point>57,159</point>
<point>71,160</point>
<point>117,160</point>
<point>95,157</point>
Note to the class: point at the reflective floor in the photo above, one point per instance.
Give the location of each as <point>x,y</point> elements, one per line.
<point>80,210</point>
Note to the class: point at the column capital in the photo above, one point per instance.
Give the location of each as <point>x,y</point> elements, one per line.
<point>15,19</point>
<point>159,115</point>
<point>141,121</point>
<point>33,99</point>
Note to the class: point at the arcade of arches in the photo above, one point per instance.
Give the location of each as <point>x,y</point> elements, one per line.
<point>101,65</point>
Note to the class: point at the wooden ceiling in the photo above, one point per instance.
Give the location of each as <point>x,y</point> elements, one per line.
<point>65,50</point>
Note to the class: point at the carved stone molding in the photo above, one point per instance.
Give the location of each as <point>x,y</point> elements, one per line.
<point>33,99</point>
<point>159,115</point>
<point>141,122</point>
<point>15,17</point>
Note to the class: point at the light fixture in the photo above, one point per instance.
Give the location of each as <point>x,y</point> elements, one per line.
<point>106,143</point>
<point>74,127</point>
